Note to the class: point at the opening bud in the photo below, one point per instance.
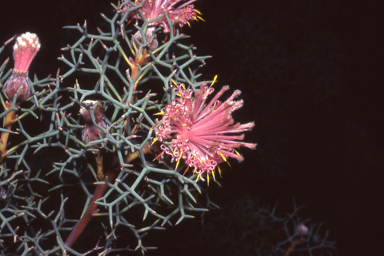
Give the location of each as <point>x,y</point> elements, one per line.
<point>24,50</point>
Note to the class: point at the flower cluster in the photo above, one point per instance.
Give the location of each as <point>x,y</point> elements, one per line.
<point>153,9</point>
<point>91,132</point>
<point>24,50</point>
<point>203,134</point>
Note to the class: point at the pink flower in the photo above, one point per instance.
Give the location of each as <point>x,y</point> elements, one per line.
<point>24,50</point>
<point>203,134</point>
<point>152,9</point>
<point>91,132</point>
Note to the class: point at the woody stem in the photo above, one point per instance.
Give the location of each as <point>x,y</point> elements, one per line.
<point>99,192</point>
<point>92,207</point>
<point>9,120</point>
<point>99,164</point>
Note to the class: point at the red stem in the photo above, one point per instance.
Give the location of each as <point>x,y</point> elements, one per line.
<point>99,192</point>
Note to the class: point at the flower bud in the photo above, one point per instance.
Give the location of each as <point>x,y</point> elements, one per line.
<point>18,80</point>
<point>3,193</point>
<point>148,35</point>
<point>24,50</point>
<point>302,229</point>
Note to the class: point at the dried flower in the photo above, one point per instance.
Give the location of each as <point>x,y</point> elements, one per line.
<point>24,50</point>
<point>152,9</point>
<point>91,132</point>
<point>202,134</point>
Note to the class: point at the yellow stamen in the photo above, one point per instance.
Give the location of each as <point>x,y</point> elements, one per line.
<point>184,125</point>
<point>213,175</point>
<point>208,179</point>
<point>237,152</point>
<point>197,11</point>
<point>198,176</point>
<point>189,24</point>
<point>178,161</point>
<point>218,167</point>
<point>154,140</point>
<point>194,170</point>
<point>174,82</point>
<point>159,113</point>
<point>214,80</point>
<point>225,160</point>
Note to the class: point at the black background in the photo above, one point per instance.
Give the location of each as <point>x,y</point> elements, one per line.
<point>312,80</point>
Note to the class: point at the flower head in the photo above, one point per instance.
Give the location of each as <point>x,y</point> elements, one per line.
<point>91,132</point>
<point>152,9</point>
<point>203,134</point>
<point>24,50</point>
